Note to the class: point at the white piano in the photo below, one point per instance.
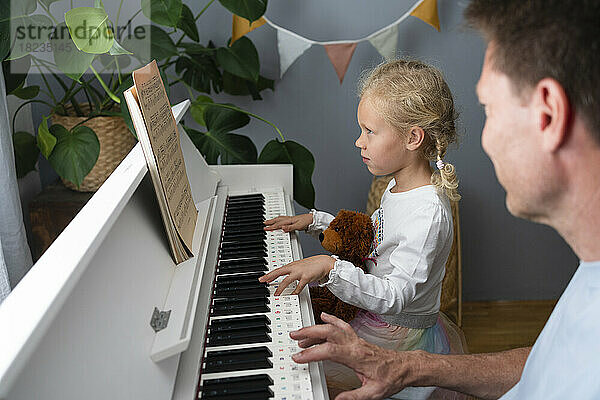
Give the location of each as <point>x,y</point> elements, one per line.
<point>106,314</point>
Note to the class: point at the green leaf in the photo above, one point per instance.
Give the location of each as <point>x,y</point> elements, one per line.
<point>27,93</point>
<point>199,72</point>
<point>70,60</point>
<point>47,3</point>
<point>162,45</point>
<point>187,23</point>
<point>109,63</point>
<point>163,12</point>
<point>89,29</point>
<point>219,119</point>
<point>45,140</point>
<point>249,9</point>
<point>197,108</point>
<point>290,152</point>
<point>12,8</point>
<point>26,153</point>
<point>239,150</point>
<point>24,42</point>
<point>197,48</point>
<point>75,153</point>
<point>117,49</point>
<point>229,147</point>
<point>240,87</point>
<point>126,84</point>
<point>4,39</point>
<point>203,144</point>
<point>241,59</point>
<point>15,73</point>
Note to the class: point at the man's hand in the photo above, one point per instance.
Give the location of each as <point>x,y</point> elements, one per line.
<point>288,224</point>
<point>382,372</point>
<point>304,271</point>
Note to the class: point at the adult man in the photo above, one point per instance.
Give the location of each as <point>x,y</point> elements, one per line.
<point>540,86</point>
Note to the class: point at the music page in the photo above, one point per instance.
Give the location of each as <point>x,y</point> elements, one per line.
<point>164,140</point>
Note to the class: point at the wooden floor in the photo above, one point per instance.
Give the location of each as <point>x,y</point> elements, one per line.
<point>503,325</point>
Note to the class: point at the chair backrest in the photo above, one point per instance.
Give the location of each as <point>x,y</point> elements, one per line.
<point>451,299</point>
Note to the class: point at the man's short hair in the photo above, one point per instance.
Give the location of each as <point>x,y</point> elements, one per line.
<point>536,39</point>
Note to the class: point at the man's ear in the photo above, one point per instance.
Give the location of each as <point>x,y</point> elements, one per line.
<point>416,135</point>
<point>553,112</point>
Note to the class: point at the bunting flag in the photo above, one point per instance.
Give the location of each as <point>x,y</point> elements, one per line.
<point>427,12</point>
<point>241,26</point>
<point>385,42</point>
<point>340,56</point>
<point>291,45</point>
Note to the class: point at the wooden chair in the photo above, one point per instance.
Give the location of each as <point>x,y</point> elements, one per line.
<point>451,299</point>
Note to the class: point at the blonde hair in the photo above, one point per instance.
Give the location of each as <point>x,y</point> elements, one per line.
<point>411,93</point>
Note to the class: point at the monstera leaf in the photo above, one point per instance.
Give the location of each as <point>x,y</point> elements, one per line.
<point>187,23</point>
<point>249,9</point>
<point>229,148</point>
<point>289,152</point>
<point>163,12</point>
<point>217,143</point>
<point>75,153</point>
<point>241,59</point>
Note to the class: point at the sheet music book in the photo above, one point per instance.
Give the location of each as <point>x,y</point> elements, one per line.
<point>157,132</point>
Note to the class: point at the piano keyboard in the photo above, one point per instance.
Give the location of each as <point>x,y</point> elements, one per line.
<point>248,349</point>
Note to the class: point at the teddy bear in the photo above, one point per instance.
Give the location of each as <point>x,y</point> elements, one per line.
<point>350,237</point>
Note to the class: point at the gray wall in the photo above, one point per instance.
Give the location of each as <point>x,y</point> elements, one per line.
<point>503,257</point>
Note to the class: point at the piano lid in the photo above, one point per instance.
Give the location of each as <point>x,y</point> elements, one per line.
<point>79,321</point>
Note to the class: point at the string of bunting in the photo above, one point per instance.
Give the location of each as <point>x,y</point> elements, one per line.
<point>291,45</point>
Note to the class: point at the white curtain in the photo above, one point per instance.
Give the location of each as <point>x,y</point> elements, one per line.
<point>15,257</point>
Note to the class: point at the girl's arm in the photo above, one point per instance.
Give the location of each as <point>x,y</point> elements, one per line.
<point>410,266</point>
<point>313,223</point>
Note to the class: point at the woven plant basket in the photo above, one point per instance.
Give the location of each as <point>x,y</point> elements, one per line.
<point>115,143</point>
<point>451,299</point>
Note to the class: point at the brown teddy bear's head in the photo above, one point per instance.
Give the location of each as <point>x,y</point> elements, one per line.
<point>349,236</point>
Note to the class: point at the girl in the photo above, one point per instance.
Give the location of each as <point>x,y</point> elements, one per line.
<point>406,116</point>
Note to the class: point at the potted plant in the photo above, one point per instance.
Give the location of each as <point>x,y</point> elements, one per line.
<point>88,40</point>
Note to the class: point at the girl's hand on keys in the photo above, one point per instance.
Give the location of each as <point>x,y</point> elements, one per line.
<point>289,223</point>
<point>304,271</point>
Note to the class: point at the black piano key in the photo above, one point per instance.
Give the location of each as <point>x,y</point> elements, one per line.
<point>237,360</point>
<point>236,306</point>
<point>235,269</point>
<point>245,229</point>
<point>242,292</point>
<point>243,237</point>
<point>232,254</point>
<point>241,283</point>
<point>256,244</point>
<point>249,261</point>
<point>239,387</point>
<point>240,277</point>
<point>245,204</point>
<point>245,196</point>
<point>244,212</point>
<point>246,336</point>
<point>238,323</point>
<point>235,226</point>
<point>247,280</point>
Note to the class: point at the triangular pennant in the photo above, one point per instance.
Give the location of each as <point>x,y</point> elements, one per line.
<point>427,11</point>
<point>340,56</point>
<point>385,42</point>
<point>290,48</point>
<point>241,26</point>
